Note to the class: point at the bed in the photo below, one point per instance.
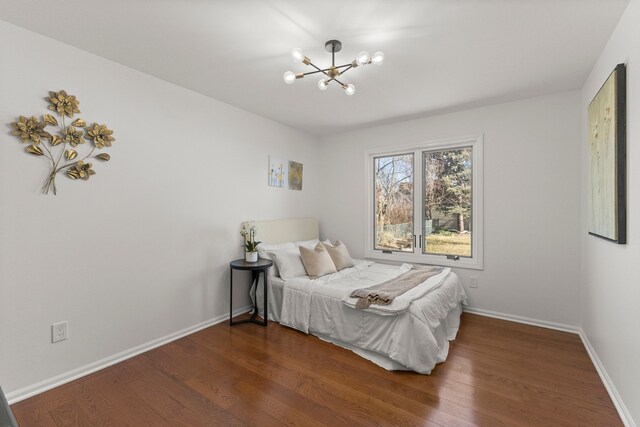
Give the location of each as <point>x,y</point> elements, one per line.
<point>411,334</point>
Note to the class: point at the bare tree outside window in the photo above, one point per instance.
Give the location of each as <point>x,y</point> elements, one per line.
<point>394,181</point>
<point>447,201</point>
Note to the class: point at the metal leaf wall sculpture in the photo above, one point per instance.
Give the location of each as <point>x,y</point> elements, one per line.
<point>62,158</point>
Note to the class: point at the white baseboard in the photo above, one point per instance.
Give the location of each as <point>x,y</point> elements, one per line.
<point>58,380</point>
<point>526,320</point>
<point>602,372</point>
<point>604,376</point>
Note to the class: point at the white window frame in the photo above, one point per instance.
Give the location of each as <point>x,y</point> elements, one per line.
<point>476,261</point>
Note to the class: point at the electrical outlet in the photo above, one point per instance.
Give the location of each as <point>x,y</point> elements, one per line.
<point>59,331</point>
<point>474,282</point>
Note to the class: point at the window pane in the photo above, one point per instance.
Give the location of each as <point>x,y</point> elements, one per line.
<point>394,203</point>
<point>447,202</point>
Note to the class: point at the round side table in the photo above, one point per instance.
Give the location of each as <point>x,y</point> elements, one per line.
<point>261,266</point>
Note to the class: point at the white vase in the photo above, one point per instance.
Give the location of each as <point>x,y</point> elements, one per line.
<point>251,256</point>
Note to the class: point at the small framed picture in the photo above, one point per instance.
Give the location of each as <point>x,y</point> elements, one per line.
<point>278,172</point>
<point>295,175</point>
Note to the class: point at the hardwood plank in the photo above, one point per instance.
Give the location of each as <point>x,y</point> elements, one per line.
<point>276,406</point>
<point>252,415</point>
<point>344,383</point>
<point>178,402</point>
<point>333,394</point>
<point>33,413</point>
<point>281,382</point>
<point>129,408</point>
<point>497,373</point>
<point>70,413</point>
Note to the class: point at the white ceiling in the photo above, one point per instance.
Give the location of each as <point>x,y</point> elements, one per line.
<point>441,55</point>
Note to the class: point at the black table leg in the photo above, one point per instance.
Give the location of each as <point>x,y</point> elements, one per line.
<point>264,287</point>
<point>231,297</point>
<point>255,281</point>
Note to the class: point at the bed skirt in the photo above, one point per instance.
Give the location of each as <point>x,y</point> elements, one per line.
<point>445,331</point>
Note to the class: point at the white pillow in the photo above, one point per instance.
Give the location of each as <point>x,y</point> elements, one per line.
<point>265,248</point>
<point>307,243</point>
<point>289,263</point>
<point>275,246</point>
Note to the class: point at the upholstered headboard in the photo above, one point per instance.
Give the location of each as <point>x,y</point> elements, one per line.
<point>287,230</point>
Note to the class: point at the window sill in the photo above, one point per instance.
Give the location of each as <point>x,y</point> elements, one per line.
<point>467,263</point>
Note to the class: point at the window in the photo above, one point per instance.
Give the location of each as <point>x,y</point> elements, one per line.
<point>394,202</point>
<point>425,204</point>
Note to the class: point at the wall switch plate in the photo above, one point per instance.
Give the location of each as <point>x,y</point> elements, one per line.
<point>59,331</point>
<point>474,281</point>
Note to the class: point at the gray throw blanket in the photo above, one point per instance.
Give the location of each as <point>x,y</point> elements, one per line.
<point>386,292</point>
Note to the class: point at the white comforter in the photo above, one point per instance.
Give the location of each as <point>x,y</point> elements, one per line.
<point>407,333</point>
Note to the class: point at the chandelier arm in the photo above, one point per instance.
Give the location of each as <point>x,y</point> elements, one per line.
<point>338,66</point>
<point>337,81</point>
<point>316,67</point>
<point>319,71</point>
<point>315,72</point>
<point>345,70</point>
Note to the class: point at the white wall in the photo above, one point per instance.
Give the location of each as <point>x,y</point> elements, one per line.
<point>531,172</point>
<point>611,272</point>
<point>142,249</point>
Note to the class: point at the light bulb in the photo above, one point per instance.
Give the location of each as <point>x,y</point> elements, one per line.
<point>377,58</point>
<point>363,58</point>
<point>349,89</point>
<point>297,54</point>
<point>289,77</point>
<point>322,84</point>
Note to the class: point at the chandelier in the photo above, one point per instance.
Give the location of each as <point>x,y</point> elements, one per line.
<point>335,71</point>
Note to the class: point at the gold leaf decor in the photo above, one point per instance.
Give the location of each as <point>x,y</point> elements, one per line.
<point>34,149</point>
<point>60,157</point>
<point>55,140</point>
<point>50,120</point>
<point>71,154</point>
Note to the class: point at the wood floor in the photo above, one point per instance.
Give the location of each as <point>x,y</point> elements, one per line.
<point>498,373</point>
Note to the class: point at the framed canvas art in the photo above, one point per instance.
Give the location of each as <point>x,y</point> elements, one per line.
<point>607,159</point>
<point>278,172</point>
<point>295,175</point>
